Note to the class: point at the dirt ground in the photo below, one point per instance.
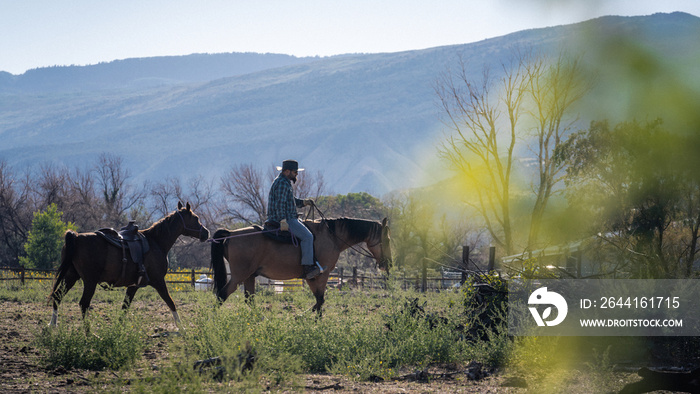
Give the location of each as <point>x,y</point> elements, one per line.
<point>21,368</point>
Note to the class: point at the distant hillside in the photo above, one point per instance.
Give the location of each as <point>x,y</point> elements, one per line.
<point>366,121</point>
<point>144,72</point>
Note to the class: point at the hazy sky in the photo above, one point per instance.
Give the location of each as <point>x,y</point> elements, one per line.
<point>38,33</point>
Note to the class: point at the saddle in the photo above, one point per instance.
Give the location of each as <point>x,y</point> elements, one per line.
<point>271,229</point>
<point>128,238</point>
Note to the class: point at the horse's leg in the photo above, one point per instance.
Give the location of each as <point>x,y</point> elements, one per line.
<point>88,292</point>
<point>227,290</point>
<point>249,288</point>
<point>68,283</point>
<point>162,290</point>
<point>129,296</point>
<point>318,288</point>
<point>320,299</point>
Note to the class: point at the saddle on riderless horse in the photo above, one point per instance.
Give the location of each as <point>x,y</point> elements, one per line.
<point>129,238</point>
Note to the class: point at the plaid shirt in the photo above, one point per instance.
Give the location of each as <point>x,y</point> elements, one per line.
<point>281,203</point>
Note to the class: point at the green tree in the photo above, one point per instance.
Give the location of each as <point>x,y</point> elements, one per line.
<point>634,183</point>
<point>43,246</point>
<point>357,205</point>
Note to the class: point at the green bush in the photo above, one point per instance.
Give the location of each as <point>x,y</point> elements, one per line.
<point>485,300</point>
<point>114,344</point>
<point>361,345</point>
<point>43,246</point>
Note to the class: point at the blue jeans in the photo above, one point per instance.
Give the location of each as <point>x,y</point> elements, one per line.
<point>306,239</point>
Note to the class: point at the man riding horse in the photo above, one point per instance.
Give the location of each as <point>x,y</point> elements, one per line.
<point>282,208</point>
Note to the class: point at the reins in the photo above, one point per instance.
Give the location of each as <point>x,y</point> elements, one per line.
<point>295,241</point>
<point>324,220</point>
<point>362,251</point>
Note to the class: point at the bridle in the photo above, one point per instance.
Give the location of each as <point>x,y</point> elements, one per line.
<point>184,224</point>
<point>360,250</point>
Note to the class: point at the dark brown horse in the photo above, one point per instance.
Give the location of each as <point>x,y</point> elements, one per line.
<point>250,253</point>
<point>88,256</point>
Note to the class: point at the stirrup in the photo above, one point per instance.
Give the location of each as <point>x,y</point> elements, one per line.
<point>142,279</point>
<point>312,271</point>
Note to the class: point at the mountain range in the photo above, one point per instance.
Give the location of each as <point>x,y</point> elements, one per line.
<point>367,122</point>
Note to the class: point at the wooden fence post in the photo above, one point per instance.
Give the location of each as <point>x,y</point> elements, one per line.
<point>354,276</point>
<point>21,276</point>
<point>193,277</point>
<point>424,285</point>
<point>465,264</point>
<point>579,257</point>
<point>492,258</point>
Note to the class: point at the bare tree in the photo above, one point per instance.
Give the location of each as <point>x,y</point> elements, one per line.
<point>165,195</point>
<point>51,186</point>
<point>16,210</point>
<point>119,195</point>
<point>82,209</point>
<point>690,205</point>
<point>484,116</point>
<point>555,85</point>
<point>200,194</point>
<point>245,191</point>
<point>245,194</point>
<point>310,185</point>
<point>532,98</point>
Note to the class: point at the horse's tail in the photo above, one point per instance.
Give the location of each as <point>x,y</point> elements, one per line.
<point>217,259</point>
<point>66,264</point>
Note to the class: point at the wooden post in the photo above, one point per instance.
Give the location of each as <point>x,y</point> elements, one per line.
<point>340,277</point>
<point>424,285</point>
<point>193,277</point>
<point>579,256</point>
<point>492,258</point>
<point>465,264</point>
<point>354,276</point>
<point>21,276</point>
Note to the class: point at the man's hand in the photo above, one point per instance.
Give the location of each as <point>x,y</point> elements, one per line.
<point>284,226</point>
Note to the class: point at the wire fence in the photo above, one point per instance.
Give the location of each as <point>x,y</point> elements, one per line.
<point>202,280</point>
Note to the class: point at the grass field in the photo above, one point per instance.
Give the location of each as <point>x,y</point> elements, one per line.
<point>379,341</point>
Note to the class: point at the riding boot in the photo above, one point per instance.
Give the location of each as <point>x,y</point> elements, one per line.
<point>312,271</point>
<point>142,279</point>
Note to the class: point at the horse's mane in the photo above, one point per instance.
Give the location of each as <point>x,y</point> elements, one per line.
<point>157,228</point>
<point>357,230</point>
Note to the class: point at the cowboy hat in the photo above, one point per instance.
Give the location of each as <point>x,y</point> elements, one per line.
<point>291,165</point>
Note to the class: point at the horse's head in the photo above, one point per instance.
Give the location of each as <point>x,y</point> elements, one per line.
<point>192,226</point>
<point>381,249</point>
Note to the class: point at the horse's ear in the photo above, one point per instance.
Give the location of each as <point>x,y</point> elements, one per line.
<point>179,205</point>
<point>384,222</point>
<point>188,206</point>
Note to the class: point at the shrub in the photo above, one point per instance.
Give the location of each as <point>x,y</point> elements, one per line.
<point>43,246</point>
<point>485,299</point>
<point>115,344</point>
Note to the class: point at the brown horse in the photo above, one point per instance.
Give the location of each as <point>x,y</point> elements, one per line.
<point>250,253</point>
<point>88,256</point>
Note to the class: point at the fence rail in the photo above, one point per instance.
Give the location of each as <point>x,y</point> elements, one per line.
<point>338,278</point>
